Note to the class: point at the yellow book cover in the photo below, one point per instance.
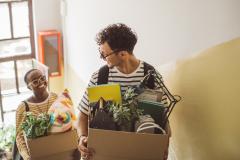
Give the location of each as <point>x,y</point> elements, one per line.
<point>109,92</point>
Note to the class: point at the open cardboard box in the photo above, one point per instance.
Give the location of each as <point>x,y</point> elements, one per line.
<point>119,145</point>
<point>61,146</point>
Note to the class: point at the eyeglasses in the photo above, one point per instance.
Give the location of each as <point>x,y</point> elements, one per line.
<point>38,81</point>
<point>105,57</point>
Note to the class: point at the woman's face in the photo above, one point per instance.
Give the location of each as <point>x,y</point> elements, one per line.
<point>36,81</point>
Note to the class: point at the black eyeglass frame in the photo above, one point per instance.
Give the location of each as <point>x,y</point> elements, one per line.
<point>109,54</point>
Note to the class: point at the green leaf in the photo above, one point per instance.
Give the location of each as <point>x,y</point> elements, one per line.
<point>36,126</point>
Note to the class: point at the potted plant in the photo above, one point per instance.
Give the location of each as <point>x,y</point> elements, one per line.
<point>127,114</point>
<point>36,126</point>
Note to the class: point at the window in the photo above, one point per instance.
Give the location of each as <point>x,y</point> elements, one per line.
<point>16,51</point>
<point>16,33</point>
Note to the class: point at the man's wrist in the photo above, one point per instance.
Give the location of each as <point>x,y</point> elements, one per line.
<point>81,136</point>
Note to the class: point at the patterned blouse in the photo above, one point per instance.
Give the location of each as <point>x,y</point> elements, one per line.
<point>36,109</point>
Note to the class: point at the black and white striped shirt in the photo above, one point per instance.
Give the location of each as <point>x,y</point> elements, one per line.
<point>115,76</point>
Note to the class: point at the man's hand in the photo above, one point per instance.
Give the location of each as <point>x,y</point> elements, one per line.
<point>86,153</point>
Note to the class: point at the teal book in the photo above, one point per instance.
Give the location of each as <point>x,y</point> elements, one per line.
<point>156,110</point>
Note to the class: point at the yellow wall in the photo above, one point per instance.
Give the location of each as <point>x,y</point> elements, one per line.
<point>76,86</point>
<point>57,83</point>
<point>205,123</point>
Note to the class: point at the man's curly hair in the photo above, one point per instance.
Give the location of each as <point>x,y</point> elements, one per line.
<point>119,36</point>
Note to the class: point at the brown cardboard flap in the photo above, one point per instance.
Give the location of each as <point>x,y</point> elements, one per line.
<point>118,145</point>
<point>53,144</point>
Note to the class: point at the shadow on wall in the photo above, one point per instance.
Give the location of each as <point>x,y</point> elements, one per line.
<point>205,123</point>
<point>76,86</point>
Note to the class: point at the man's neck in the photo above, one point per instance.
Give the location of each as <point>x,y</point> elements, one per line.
<point>129,65</point>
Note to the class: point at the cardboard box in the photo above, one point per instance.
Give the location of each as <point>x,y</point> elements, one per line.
<point>60,146</point>
<point>118,145</point>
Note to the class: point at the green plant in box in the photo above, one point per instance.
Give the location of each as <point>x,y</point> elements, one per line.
<point>36,126</point>
<point>127,113</point>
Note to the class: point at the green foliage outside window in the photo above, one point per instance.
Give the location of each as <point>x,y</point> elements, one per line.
<point>7,137</point>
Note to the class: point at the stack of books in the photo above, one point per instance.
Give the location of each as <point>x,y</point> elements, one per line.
<point>156,110</point>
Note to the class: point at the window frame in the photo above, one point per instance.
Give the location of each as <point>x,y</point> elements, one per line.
<point>31,30</point>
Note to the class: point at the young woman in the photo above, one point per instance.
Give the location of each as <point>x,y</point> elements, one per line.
<point>39,102</point>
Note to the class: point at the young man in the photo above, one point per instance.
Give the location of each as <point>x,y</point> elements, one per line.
<point>116,44</point>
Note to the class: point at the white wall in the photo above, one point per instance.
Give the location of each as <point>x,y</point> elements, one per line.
<point>167,30</point>
<point>46,16</point>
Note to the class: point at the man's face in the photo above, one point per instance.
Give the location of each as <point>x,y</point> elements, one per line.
<point>110,56</point>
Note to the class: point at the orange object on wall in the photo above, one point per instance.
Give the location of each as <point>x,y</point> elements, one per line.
<point>50,51</point>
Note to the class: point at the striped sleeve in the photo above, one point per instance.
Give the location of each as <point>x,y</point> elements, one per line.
<point>21,144</point>
<point>84,103</point>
